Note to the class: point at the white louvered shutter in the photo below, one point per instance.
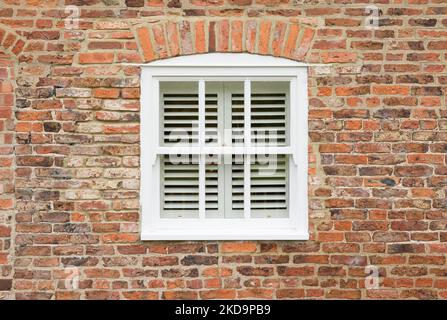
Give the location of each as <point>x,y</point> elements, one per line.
<point>269,188</point>
<point>224,182</point>
<point>180,173</point>
<point>268,173</point>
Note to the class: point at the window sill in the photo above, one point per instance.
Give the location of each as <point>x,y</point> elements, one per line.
<point>176,234</point>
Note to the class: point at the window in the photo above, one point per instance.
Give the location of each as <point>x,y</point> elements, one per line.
<point>224,148</point>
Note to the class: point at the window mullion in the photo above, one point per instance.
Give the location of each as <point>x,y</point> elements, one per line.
<point>202,178</point>
<point>247,143</point>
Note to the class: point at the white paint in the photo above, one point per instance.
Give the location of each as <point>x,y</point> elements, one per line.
<point>202,180</point>
<point>247,143</point>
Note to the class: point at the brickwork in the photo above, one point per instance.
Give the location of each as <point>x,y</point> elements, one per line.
<point>7,198</point>
<point>378,140</point>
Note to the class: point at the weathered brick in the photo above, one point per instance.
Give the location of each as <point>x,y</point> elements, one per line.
<point>96,57</point>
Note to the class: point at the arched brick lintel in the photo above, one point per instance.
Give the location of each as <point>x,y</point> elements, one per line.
<point>168,39</point>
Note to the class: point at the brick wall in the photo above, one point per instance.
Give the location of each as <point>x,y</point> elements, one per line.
<point>378,141</point>
<point>6,172</point>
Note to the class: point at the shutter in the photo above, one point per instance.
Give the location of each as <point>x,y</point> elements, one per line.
<point>237,118</point>
<point>224,184</point>
<point>268,192</point>
<point>268,173</point>
<point>180,118</point>
<point>269,176</point>
<point>268,118</point>
<point>180,187</point>
<point>237,187</point>
<point>180,181</point>
<point>213,193</point>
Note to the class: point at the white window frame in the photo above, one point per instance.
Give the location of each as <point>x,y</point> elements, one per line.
<point>223,67</point>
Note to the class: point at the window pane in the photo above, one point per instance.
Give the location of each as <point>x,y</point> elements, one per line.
<point>269,185</point>
<point>269,109</point>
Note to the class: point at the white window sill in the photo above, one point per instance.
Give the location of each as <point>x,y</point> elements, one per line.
<point>176,234</point>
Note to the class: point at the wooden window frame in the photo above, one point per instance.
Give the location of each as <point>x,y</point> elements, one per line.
<point>223,67</point>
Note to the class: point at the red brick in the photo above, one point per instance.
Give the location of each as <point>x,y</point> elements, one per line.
<point>96,57</point>
<point>236,35</point>
<point>223,28</point>
<point>232,247</point>
<point>338,57</point>
<point>160,45</point>
<point>290,293</point>
<point>290,44</point>
<point>250,36</point>
<point>146,44</point>
<point>200,42</point>
<point>278,38</point>
<point>106,93</point>
<point>218,294</point>
<point>264,37</point>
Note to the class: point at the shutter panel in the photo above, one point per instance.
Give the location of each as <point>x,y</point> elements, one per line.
<point>269,187</point>
<point>181,116</point>
<point>213,195</point>
<point>180,181</point>
<point>269,111</point>
<point>180,187</point>
<point>237,118</point>
<point>237,186</point>
<point>268,118</point>
<point>268,173</point>
<point>237,161</point>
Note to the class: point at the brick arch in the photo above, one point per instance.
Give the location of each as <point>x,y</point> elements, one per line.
<point>167,39</point>
<point>10,42</point>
